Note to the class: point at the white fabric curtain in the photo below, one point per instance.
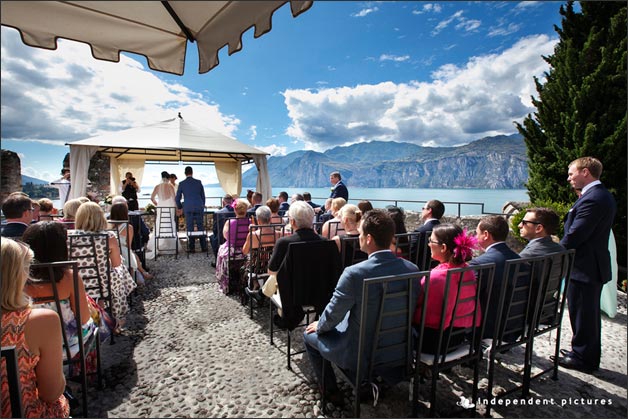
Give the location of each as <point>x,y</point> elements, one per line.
<point>119,169</point>
<point>263,178</point>
<point>79,168</point>
<point>230,176</point>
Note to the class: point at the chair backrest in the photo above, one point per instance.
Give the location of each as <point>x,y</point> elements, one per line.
<point>165,222</point>
<point>118,226</point>
<point>350,252</point>
<point>91,252</point>
<point>388,302</point>
<point>311,270</point>
<point>318,226</point>
<point>550,303</point>
<point>263,240</point>
<point>402,245</point>
<point>334,228</point>
<point>9,356</point>
<point>517,299</point>
<point>237,230</point>
<point>53,296</point>
<point>463,310</point>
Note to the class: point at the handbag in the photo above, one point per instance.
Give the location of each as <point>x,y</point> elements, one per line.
<point>100,316</point>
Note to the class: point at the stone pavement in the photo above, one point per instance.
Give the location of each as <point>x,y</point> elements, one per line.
<point>190,351</point>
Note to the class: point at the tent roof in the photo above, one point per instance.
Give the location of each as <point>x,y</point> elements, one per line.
<point>171,140</point>
<point>159,30</point>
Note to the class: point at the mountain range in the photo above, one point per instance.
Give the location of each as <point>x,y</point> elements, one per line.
<point>34,181</point>
<point>498,162</point>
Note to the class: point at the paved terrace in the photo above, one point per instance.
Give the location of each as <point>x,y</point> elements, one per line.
<point>191,351</point>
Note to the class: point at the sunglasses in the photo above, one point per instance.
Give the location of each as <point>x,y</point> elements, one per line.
<point>524,222</point>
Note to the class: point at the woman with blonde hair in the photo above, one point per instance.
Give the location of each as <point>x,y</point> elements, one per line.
<point>90,218</point>
<point>36,335</point>
<point>334,226</point>
<point>69,212</point>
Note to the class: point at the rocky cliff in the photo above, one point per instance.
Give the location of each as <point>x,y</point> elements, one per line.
<point>492,162</point>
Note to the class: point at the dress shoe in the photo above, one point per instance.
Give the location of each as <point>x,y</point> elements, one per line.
<point>565,352</point>
<point>573,363</point>
<point>279,322</point>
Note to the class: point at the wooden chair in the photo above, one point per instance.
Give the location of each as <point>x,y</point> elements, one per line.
<point>386,348</point>
<point>307,278</point>
<point>461,345</point>
<point>71,351</point>
<point>166,228</point>
<point>9,358</point>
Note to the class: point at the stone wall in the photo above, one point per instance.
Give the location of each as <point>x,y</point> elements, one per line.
<point>98,174</point>
<point>11,177</point>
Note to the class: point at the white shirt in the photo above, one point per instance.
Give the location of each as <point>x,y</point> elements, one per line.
<point>590,185</point>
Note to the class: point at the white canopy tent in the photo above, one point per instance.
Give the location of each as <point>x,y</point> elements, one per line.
<point>172,140</point>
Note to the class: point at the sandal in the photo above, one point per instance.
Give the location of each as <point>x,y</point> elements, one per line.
<point>147,275</point>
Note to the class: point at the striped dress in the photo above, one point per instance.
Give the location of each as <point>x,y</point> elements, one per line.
<point>13,323</point>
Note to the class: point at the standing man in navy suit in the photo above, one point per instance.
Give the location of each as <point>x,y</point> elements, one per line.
<point>587,229</point>
<point>193,206</point>
<point>339,190</point>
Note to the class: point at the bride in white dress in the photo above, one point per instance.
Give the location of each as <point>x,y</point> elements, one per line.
<point>165,194</point>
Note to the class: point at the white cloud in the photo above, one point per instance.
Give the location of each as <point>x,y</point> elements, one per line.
<point>462,23</point>
<point>273,149</point>
<point>396,58</point>
<point>525,5</point>
<point>364,12</point>
<point>47,96</point>
<point>253,132</point>
<point>428,7</point>
<point>462,103</point>
<point>502,29</point>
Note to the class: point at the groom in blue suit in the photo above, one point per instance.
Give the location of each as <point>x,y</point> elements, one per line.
<point>335,338</point>
<point>193,206</point>
<point>587,229</point>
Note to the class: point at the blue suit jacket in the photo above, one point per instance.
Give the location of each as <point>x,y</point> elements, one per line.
<point>13,229</point>
<point>339,345</point>
<point>587,229</point>
<point>340,191</point>
<point>193,193</point>
<point>498,254</point>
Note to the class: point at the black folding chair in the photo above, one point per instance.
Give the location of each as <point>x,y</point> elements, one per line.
<point>386,348</point>
<point>350,252</point>
<point>9,356</point>
<point>92,340</point>
<point>237,230</point>
<point>455,345</point>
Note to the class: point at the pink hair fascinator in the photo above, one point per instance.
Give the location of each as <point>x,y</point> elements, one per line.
<point>465,245</point>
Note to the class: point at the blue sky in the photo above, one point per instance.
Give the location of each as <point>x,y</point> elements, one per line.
<point>431,73</point>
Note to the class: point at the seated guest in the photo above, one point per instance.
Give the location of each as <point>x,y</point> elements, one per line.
<point>36,335</point>
<point>537,226</point>
<point>333,226</point>
<point>350,215</point>
<point>249,198</point>
<point>90,218</point>
<point>399,218</point>
<point>307,197</point>
<point>120,212</point>
<point>48,241</point>
<point>431,214</point>
<point>142,238</point>
<point>452,247</point>
<point>283,202</point>
<point>256,201</point>
<point>219,222</point>
<point>492,232</point>
<point>36,211</point>
<point>261,237</point>
<point>46,209</point>
<point>365,206</point>
<point>323,338</point>
<point>69,212</point>
<point>236,227</point>
<point>296,197</point>
<point>273,205</point>
<point>18,210</point>
<point>326,215</point>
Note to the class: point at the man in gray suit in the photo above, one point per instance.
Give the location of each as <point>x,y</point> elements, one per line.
<point>193,206</point>
<point>334,338</point>
<point>537,226</point>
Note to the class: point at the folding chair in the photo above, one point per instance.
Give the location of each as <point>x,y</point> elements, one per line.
<point>460,345</point>
<point>166,228</point>
<point>93,265</point>
<point>387,348</point>
<point>334,228</point>
<point>307,278</point>
<point>12,374</point>
<point>200,234</point>
<point>70,350</point>
<point>118,226</point>
<point>350,252</point>
<point>260,254</point>
<point>237,230</point>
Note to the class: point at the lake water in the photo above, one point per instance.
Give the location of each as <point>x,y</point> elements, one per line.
<point>470,200</point>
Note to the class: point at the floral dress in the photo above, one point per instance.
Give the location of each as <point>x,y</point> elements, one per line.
<point>13,323</point>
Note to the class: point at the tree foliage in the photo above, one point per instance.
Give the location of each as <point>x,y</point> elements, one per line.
<point>581,107</point>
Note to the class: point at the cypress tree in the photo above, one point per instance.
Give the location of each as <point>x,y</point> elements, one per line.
<point>581,108</point>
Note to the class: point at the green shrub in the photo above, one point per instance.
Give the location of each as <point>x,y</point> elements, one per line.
<point>561,209</point>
